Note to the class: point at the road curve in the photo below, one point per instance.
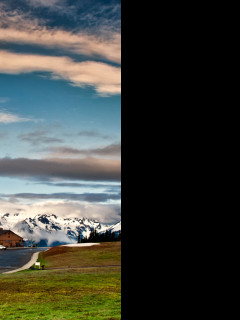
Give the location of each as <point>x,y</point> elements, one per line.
<point>26,266</point>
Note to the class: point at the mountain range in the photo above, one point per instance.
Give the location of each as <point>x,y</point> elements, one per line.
<point>50,230</point>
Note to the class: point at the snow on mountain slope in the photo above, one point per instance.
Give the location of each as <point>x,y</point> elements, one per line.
<point>115,228</point>
<point>52,229</point>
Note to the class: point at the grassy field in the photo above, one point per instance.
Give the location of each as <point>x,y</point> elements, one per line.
<point>93,293</point>
<point>108,253</point>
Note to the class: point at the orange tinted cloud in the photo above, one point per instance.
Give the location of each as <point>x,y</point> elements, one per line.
<point>89,45</point>
<point>105,78</point>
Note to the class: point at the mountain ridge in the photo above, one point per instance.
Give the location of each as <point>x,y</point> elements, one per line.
<point>50,229</point>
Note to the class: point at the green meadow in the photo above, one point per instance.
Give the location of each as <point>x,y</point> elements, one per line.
<point>79,290</point>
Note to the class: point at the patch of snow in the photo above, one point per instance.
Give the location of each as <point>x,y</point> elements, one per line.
<point>80,245</point>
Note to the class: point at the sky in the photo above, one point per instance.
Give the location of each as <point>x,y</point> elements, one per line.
<point>60,108</point>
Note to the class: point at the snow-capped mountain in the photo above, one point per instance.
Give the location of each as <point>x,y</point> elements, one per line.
<point>50,229</point>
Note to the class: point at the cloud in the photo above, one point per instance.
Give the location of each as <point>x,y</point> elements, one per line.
<point>7,117</point>
<point>38,137</point>
<point>107,47</point>
<point>38,235</point>
<point>104,78</point>
<point>73,169</point>
<point>113,150</point>
<point>77,184</point>
<point>104,213</point>
<point>86,197</point>
<point>93,134</point>
<point>44,3</point>
<point>4,99</point>
<point>29,28</point>
<point>104,17</point>
<point>11,17</point>
<point>108,188</point>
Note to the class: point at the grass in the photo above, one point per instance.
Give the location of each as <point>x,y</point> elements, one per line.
<point>108,253</point>
<point>66,294</point>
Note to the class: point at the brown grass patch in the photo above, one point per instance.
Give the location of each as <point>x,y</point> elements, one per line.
<point>107,253</point>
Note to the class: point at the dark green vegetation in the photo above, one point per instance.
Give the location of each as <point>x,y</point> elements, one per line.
<point>107,236</point>
<point>92,293</point>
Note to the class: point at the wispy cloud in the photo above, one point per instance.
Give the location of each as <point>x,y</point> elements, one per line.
<point>18,27</point>
<point>15,18</point>
<point>86,197</point>
<point>93,16</point>
<point>8,118</point>
<point>108,187</point>
<point>104,78</point>
<point>80,43</point>
<point>4,99</point>
<point>39,137</point>
<point>113,150</point>
<point>44,3</point>
<point>93,134</point>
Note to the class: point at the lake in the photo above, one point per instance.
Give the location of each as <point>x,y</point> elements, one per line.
<point>11,259</point>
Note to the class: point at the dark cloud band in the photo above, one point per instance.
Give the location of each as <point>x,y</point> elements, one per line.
<point>80,169</point>
<point>89,197</point>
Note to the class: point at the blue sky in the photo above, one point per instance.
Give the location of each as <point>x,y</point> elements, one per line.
<point>60,108</point>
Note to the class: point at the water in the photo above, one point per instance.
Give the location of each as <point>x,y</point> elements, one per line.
<point>11,259</point>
